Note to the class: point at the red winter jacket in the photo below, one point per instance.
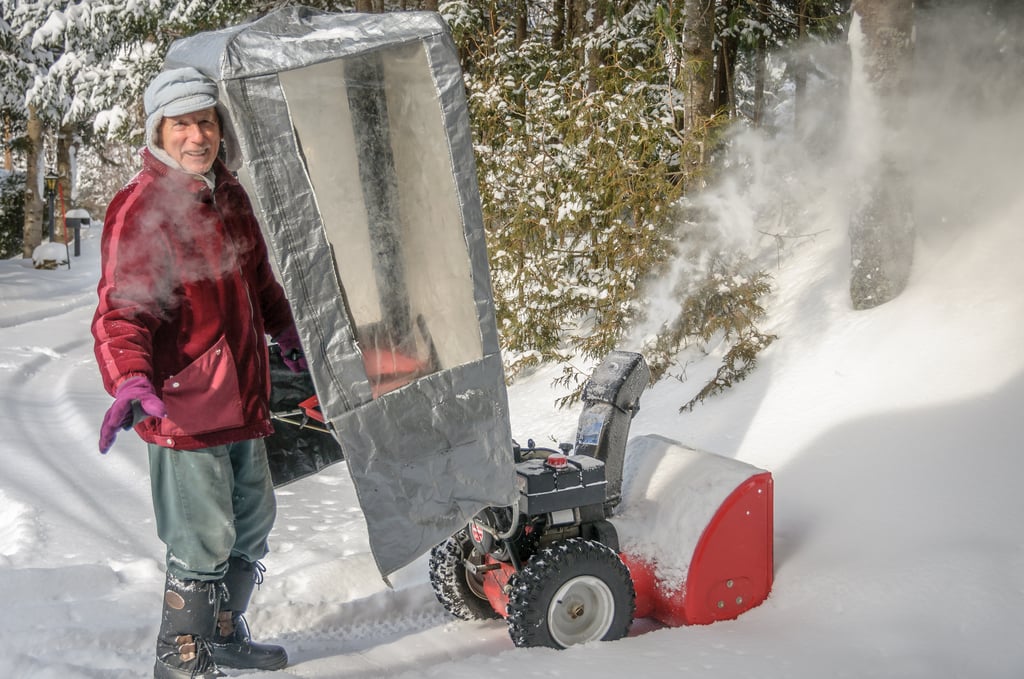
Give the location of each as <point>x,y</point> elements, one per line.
<point>186,295</point>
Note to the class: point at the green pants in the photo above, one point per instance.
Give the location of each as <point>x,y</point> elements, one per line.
<point>212,504</point>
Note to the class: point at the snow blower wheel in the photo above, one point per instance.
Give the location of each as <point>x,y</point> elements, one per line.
<point>458,588</point>
<point>572,592</point>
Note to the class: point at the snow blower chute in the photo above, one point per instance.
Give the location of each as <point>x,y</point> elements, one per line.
<point>351,134</point>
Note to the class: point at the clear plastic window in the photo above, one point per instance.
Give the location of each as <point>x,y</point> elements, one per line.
<point>376,149</point>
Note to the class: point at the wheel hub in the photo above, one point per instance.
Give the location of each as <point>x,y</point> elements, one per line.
<point>582,610</point>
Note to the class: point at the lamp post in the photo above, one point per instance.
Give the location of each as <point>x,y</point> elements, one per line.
<point>51,191</point>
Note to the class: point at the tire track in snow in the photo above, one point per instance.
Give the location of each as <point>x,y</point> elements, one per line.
<point>48,312</point>
<point>51,383</point>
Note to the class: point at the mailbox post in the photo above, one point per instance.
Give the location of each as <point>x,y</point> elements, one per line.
<point>76,219</point>
<point>51,191</point>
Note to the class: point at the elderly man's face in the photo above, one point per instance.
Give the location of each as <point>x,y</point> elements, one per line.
<point>192,139</point>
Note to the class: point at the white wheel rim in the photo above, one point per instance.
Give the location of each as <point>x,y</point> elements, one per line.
<point>582,610</point>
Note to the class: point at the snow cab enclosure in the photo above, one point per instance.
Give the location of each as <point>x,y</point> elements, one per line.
<point>351,135</point>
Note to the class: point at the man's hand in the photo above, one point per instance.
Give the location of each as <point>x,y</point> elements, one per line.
<point>120,414</point>
<point>291,350</point>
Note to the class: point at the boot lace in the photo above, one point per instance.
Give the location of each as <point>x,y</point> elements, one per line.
<point>258,570</point>
<point>204,658</point>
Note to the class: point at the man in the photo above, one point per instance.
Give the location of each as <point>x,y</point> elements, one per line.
<point>186,296</point>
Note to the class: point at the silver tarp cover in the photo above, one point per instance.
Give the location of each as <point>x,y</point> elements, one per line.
<point>351,133</point>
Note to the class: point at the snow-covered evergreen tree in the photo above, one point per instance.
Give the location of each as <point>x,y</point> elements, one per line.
<point>583,119</point>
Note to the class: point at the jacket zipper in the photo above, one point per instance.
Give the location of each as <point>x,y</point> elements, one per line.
<point>261,369</point>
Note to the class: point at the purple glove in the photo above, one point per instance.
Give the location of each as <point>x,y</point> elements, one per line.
<point>291,350</point>
<point>121,415</point>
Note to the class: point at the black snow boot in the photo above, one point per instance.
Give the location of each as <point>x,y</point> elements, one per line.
<point>188,622</point>
<point>231,645</point>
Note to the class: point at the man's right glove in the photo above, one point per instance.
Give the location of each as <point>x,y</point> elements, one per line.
<point>291,350</point>
<point>121,415</point>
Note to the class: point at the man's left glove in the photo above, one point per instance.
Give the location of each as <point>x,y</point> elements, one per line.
<point>121,415</point>
<point>291,350</point>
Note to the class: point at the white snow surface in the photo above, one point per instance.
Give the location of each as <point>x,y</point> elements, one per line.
<point>891,436</point>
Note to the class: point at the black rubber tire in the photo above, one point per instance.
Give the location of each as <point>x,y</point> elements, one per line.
<point>569,593</point>
<point>458,589</point>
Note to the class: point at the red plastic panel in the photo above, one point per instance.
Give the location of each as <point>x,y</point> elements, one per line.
<point>494,582</point>
<point>732,568</point>
<point>389,370</point>
<point>311,406</point>
<point>653,599</point>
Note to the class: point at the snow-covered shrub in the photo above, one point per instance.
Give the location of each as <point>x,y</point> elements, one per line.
<point>583,169</point>
<point>722,307</point>
<point>578,163</point>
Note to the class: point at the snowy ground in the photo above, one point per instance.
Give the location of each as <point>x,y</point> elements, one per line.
<point>891,434</point>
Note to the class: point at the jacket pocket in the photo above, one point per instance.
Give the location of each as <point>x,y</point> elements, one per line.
<point>204,397</point>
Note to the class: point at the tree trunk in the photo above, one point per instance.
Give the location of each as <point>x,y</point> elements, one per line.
<point>697,76</point>
<point>33,232</point>
<point>521,23</point>
<point>800,66</point>
<point>698,70</point>
<point>65,148</point>
<point>594,57</point>
<point>8,159</point>
<point>558,32</point>
<point>882,225</point>
<point>760,75</point>
<point>577,26</point>
<point>725,68</point>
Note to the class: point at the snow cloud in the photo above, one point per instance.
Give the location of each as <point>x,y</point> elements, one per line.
<point>796,177</point>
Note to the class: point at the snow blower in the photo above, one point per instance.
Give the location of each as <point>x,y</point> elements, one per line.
<point>552,565</point>
<point>351,134</point>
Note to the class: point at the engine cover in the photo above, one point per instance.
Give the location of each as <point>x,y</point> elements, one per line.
<point>571,482</point>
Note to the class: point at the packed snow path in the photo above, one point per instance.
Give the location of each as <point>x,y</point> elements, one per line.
<point>892,435</point>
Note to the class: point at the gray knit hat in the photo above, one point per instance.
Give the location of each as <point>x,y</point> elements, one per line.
<point>179,91</point>
<point>175,93</point>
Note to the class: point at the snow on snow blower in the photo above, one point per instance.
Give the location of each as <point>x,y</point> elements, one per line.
<point>351,133</point>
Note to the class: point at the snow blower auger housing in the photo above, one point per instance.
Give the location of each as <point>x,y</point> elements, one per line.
<point>351,134</point>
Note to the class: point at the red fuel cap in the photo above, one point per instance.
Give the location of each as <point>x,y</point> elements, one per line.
<point>556,461</point>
